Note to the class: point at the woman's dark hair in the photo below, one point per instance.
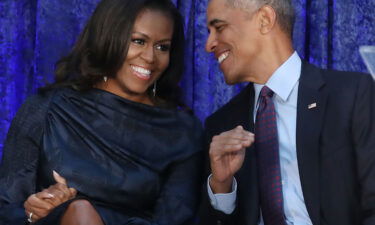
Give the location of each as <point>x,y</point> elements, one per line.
<point>102,47</point>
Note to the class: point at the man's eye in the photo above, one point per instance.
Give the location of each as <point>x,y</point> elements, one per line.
<point>138,41</point>
<point>219,28</point>
<point>163,47</point>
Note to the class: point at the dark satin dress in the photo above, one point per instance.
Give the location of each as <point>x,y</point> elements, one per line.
<point>136,163</point>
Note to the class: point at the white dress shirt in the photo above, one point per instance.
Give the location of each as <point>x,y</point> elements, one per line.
<point>284,83</point>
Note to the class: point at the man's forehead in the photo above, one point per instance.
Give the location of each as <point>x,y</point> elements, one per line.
<point>216,10</point>
<point>217,3</point>
<point>223,6</point>
<point>219,11</point>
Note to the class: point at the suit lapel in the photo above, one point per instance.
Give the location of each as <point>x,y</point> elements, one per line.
<point>243,108</point>
<point>248,204</point>
<point>310,111</point>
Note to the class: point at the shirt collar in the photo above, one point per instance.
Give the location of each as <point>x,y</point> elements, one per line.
<point>290,69</point>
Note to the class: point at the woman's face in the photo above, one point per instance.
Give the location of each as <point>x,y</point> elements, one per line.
<point>147,59</point>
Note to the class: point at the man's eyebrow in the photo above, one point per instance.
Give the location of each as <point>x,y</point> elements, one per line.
<point>215,21</point>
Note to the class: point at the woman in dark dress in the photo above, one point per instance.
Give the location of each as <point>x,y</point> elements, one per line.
<point>112,125</point>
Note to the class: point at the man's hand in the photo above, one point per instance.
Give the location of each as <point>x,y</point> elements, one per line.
<point>227,153</point>
<point>42,203</point>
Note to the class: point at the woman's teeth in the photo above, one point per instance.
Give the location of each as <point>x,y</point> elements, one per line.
<point>142,71</point>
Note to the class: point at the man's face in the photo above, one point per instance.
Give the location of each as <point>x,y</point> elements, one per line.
<point>234,38</point>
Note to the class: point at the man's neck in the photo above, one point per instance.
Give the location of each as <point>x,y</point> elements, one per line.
<point>274,55</point>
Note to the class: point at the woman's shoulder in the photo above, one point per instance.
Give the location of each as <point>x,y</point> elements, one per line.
<point>41,100</point>
<point>30,117</point>
<point>36,106</point>
<point>188,120</point>
<point>191,127</point>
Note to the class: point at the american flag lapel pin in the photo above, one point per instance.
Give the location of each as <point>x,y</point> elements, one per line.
<point>312,105</point>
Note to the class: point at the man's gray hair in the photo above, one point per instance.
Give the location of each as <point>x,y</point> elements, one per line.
<point>284,10</point>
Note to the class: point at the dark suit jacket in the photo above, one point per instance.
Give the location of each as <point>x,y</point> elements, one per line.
<point>335,150</point>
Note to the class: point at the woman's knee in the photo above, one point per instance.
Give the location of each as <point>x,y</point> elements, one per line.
<point>81,212</point>
<point>80,206</point>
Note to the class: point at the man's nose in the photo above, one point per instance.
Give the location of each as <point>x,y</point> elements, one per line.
<point>211,43</point>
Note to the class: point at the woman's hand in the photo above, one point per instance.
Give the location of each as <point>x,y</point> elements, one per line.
<point>40,204</point>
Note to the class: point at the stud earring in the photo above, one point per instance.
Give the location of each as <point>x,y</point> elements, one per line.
<point>105,78</point>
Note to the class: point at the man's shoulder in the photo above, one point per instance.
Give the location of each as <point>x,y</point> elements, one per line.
<point>336,82</point>
<point>337,76</point>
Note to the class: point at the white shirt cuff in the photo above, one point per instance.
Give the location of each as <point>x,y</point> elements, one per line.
<point>225,203</point>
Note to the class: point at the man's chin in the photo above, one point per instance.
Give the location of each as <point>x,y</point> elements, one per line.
<point>231,80</point>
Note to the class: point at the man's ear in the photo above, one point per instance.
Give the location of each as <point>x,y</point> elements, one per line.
<point>267,19</point>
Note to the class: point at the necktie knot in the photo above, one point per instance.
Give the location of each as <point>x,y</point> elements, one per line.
<point>266,92</point>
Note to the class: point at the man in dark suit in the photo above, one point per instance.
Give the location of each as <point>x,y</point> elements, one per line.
<point>297,145</point>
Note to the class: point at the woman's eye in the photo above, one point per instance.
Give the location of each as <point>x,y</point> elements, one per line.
<point>163,47</point>
<point>138,41</point>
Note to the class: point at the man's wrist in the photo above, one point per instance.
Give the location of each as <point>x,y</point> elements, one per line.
<point>218,187</point>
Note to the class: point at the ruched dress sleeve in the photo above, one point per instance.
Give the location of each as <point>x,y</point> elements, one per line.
<point>179,198</point>
<point>18,168</point>
<point>178,201</point>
